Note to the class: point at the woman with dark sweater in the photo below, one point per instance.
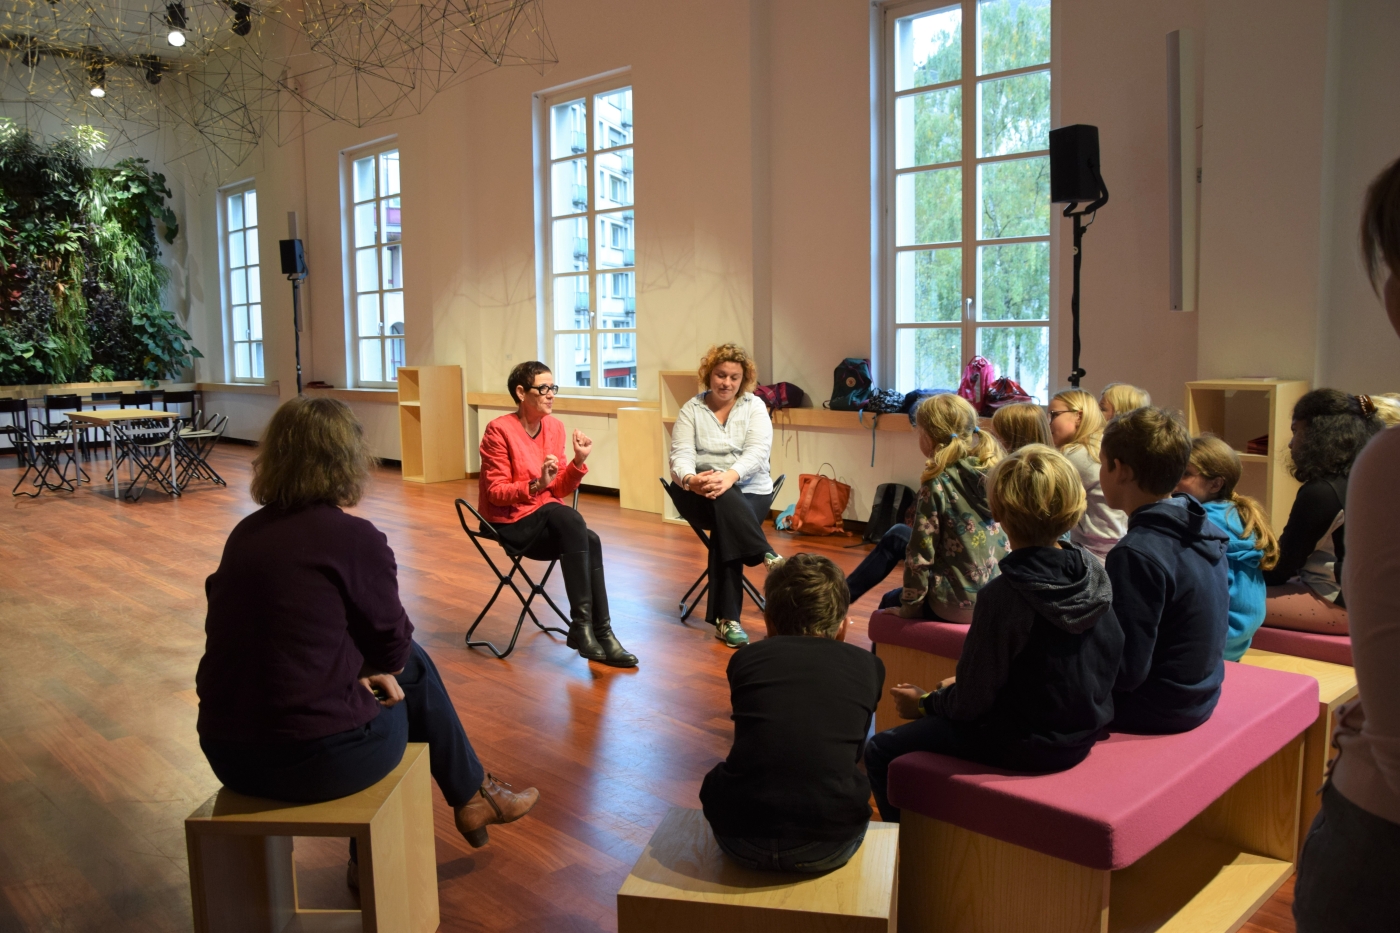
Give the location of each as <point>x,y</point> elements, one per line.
<point>1305,586</point>
<point>311,684</point>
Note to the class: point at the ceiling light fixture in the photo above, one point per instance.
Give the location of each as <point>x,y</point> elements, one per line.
<point>97,78</point>
<point>155,68</point>
<point>178,22</point>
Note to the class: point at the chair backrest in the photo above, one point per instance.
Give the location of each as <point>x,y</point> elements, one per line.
<point>16,408</point>
<point>138,399</point>
<point>177,398</point>
<point>62,403</point>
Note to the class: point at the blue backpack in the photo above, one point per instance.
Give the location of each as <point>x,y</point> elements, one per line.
<point>851,386</point>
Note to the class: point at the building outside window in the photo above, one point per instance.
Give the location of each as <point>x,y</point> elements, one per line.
<point>591,304</point>
<point>375,259</point>
<point>243,285</point>
<point>967,169</point>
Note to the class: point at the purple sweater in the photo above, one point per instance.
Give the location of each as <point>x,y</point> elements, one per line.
<point>301,600</point>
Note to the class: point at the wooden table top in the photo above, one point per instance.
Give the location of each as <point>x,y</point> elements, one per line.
<point>108,415</point>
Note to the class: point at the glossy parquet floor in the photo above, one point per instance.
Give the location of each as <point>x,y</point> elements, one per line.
<point>101,628</point>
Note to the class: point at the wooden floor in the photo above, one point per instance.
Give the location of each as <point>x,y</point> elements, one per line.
<point>101,628</point>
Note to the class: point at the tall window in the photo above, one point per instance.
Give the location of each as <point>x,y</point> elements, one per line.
<point>376,267</point>
<point>968,225</point>
<point>243,287</point>
<point>592,292</point>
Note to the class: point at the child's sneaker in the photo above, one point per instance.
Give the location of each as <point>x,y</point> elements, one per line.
<point>731,633</point>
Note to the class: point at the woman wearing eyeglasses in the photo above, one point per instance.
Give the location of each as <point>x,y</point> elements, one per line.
<point>1076,427</point>
<point>524,479</point>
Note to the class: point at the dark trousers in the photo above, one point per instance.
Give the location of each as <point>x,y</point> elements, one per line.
<point>1347,873</point>
<point>555,530</point>
<point>345,763</point>
<point>790,854</point>
<point>735,523</point>
<point>888,554</point>
<point>957,740</point>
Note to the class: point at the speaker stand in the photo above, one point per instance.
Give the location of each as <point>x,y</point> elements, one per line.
<point>296,315</point>
<point>1075,371</point>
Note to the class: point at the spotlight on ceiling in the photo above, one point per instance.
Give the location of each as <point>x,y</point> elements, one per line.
<point>242,18</point>
<point>97,77</point>
<point>178,22</point>
<point>155,68</point>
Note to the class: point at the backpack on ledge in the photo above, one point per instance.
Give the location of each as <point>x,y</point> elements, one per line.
<point>851,386</point>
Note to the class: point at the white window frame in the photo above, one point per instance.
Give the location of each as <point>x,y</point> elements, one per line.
<point>587,89</point>
<point>884,326</point>
<point>348,158</point>
<point>226,270</point>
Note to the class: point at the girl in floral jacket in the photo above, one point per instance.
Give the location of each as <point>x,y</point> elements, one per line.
<point>956,545</point>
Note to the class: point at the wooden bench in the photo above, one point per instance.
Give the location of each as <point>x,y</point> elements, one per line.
<point>683,883</point>
<point>1189,832</point>
<point>1334,649</point>
<point>1336,685</point>
<point>242,878</point>
<point>926,652</point>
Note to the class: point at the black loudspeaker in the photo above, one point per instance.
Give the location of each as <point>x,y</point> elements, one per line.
<point>293,258</point>
<point>1074,164</point>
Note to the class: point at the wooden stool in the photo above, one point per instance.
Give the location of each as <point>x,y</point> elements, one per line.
<point>242,879</point>
<point>1336,684</point>
<point>683,882</point>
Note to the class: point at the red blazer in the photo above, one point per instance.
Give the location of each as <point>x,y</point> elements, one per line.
<point>512,459</point>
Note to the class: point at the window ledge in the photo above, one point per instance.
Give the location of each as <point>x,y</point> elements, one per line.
<point>357,395</point>
<point>241,388</point>
<point>568,404</point>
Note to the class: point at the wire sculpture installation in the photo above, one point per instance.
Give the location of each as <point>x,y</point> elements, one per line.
<point>216,78</point>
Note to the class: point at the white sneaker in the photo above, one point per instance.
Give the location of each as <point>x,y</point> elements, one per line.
<point>731,633</point>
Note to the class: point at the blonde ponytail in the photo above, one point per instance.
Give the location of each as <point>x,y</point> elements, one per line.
<point>950,422</point>
<point>1256,523</point>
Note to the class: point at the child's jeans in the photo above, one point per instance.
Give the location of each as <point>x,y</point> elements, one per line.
<point>790,854</point>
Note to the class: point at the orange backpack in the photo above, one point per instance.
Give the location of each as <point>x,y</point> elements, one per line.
<point>820,502</point>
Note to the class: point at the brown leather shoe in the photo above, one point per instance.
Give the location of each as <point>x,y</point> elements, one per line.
<point>495,802</point>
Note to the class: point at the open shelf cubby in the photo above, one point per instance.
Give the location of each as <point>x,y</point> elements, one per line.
<point>432,429</point>
<point>1241,410</point>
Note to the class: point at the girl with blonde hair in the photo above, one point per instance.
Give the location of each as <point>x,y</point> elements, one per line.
<point>1076,428</point>
<point>1211,477</point>
<point>955,544</point>
<point>1119,397</point>
<point>1021,424</point>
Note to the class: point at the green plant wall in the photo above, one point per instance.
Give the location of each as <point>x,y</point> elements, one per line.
<point>81,282</point>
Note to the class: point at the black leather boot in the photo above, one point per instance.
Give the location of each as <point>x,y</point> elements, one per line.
<point>578,585</point>
<point>614,654</point>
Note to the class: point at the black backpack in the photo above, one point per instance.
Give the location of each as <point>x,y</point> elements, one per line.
<point>851,384</point>
<point>892,502</point>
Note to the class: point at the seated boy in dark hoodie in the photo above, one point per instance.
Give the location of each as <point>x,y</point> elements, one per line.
<point>1033,690</point>
<point>791,796</point>
<point>1171,586</point>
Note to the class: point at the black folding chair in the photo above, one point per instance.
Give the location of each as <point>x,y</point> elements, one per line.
<point>18,410</point>
<point>43,454</point>
<point>147,444</point>
<point>675,492</point>
<point>177,399</point>
<point>196,438</point>
<point>484,531</point>
<point>138,400</point>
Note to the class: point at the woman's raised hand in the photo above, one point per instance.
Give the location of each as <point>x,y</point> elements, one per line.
<point>548,470</point>
<point>583,446</point>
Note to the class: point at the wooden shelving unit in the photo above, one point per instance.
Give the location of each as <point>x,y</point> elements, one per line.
<point>677,388</point>
<point>1240,410</point>
<point>432,431</point>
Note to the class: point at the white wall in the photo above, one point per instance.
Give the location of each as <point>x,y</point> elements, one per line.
<point>753,206</point>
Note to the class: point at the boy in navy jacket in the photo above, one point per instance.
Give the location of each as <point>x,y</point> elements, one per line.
<point>1171,590</point>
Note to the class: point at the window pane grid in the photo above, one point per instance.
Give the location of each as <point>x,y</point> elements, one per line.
<point>592,240</point>
<point>967,124</point>
<point>242,285</point>
<point>377,267</point>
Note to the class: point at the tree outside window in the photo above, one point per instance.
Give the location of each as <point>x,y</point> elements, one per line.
<point>968,268</point>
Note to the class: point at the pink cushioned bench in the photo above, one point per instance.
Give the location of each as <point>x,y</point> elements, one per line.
<point>1335,649</point>
<point>914,652</point>
<point>1202,821</point>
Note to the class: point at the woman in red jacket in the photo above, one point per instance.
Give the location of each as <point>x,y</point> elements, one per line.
<point>522,492</point>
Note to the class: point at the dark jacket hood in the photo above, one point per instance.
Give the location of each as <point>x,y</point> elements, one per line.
<point>1182,517</point>
<point>1065,585</point>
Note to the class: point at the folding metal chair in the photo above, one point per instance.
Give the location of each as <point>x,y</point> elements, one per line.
<point>43,456</point>
<point>674,492</point>
<point>195,440</point>
<point>149,446</point>
<point>138,400</point>
<point>18,410</point>
<point>485,531</point>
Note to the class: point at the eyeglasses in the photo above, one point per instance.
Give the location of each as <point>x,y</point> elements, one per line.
<point>545,390</point>
<point>1068,411</point>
